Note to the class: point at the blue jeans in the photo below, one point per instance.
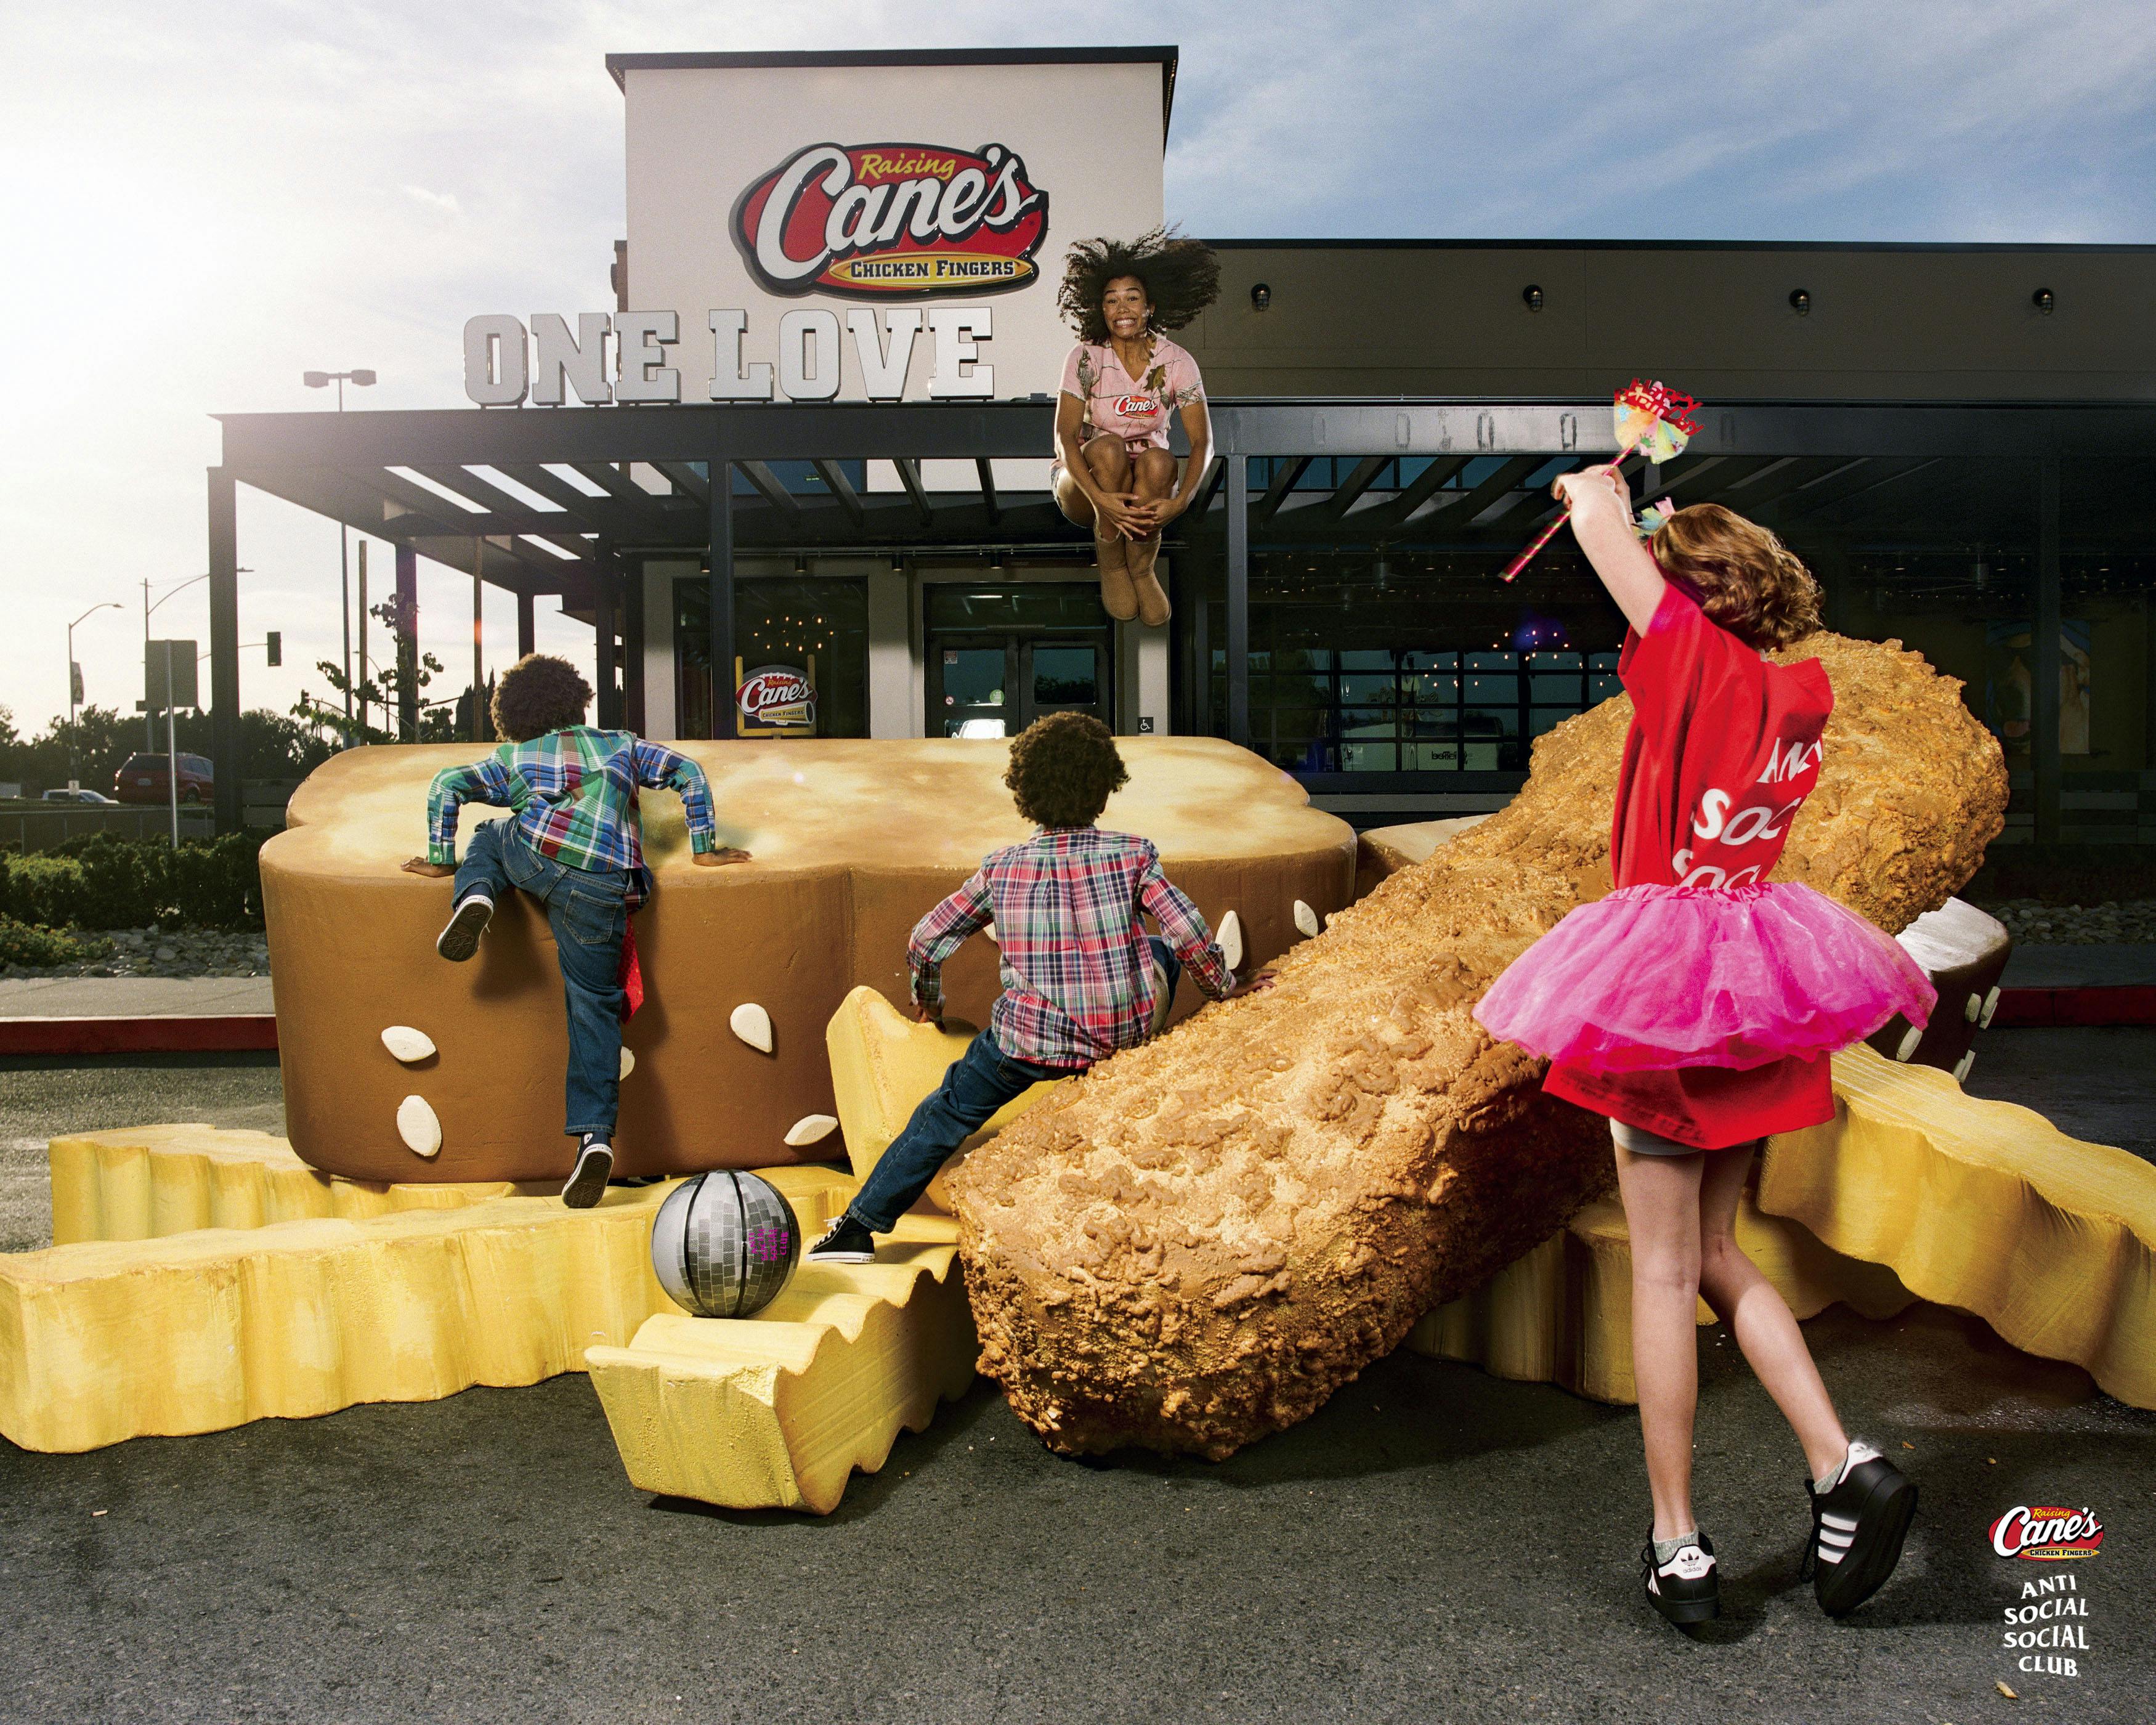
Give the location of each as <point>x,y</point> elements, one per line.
<point>588,911</point>
<point>979,1082</point>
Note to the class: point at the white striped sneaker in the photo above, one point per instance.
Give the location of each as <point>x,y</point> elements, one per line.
<point>1858,1525</point>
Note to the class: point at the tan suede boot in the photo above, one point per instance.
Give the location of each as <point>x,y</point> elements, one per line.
<point>1118,598</point>
<point>1152,600</point>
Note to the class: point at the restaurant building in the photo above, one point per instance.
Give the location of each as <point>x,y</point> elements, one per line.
<point>795,474</point>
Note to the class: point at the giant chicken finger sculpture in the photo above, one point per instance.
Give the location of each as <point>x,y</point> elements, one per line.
<point>1200,1241</point>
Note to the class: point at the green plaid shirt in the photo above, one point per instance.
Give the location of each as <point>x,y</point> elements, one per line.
<point>573,793</point>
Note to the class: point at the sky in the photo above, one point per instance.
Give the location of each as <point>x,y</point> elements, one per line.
<point>201,202</point>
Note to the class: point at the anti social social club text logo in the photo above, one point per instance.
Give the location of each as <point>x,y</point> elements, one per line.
<point>876,221</point>
<point>2046,1534</point>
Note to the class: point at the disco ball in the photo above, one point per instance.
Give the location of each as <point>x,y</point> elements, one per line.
<point>725,1244</point>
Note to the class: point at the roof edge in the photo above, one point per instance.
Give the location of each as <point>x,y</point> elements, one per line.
<point>1166,55</point>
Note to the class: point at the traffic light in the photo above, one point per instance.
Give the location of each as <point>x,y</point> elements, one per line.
<point>275,643</point>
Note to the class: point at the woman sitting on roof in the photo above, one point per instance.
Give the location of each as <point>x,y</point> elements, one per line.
<point>1114,471</point>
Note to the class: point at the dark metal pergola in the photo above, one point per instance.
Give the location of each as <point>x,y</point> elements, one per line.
<point>560,498</point>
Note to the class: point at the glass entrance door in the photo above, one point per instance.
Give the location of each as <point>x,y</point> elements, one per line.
<point>998,659</point>
<point>970,692</point>
<point>997,686</point>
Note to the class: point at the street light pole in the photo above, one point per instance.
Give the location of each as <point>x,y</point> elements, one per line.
<point>172,750</point>
<point>149,721</point>
<point>75,695</point>
<point>362,379</point>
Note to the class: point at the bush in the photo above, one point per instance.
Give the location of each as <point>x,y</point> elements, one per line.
<point>104,882</point>
<point>25,943</point>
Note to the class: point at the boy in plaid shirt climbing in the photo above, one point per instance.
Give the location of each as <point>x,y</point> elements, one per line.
<point>573,842</point>
<point>1081,978</point>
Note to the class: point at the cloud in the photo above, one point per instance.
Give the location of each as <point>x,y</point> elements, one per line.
<point>214,199</point>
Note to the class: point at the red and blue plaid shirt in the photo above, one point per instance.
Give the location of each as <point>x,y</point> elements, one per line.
<point>1078,979</point>
<point>574,794</point>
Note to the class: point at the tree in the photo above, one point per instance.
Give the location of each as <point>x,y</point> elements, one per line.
<point>384,690</point>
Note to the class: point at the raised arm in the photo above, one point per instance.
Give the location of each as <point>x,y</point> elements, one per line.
<point>937,936</point>
<point>1601,522</point>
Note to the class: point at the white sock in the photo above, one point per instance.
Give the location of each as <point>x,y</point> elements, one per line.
<point>1859,1452</point>
<point>1666,1549</point>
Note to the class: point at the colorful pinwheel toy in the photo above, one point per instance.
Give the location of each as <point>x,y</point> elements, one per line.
<point>1652,420</point>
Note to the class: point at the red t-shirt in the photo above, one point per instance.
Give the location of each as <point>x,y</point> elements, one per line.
<point>1724,747</point>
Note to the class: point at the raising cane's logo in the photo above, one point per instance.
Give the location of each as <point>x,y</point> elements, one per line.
<point>2046,1534</point>
<point>776,695</point>
<point>879,220</point>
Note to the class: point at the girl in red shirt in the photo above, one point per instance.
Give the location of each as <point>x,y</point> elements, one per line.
<point>1698,1003</point>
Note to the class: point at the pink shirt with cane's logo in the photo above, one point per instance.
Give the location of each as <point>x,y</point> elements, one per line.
<point>1136,409</point>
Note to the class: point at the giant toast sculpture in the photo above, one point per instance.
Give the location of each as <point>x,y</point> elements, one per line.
<point>1197,1243</point>
<point>852,842</point>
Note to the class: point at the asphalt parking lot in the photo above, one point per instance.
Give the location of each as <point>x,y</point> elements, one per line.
<point>1436,1544</point>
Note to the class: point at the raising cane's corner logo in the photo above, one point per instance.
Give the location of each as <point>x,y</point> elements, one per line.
<point>875,221</point>
<point>2048,1626</point>
<point>2046,1534</point>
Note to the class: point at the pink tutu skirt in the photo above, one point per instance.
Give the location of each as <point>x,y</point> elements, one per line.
<point>1655,978</point>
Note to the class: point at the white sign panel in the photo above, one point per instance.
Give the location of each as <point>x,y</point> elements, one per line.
<point>880,231</point>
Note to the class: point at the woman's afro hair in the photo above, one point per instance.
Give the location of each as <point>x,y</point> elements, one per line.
<point>1063,768</point>
<point>538,694</point>
<point>1182,277</point>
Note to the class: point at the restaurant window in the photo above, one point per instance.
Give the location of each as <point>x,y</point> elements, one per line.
<point>807,638</point>
<point>1414,664</point>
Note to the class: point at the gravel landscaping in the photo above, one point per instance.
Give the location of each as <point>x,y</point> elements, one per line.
<point>2038,924</point>
<point>155,952</point>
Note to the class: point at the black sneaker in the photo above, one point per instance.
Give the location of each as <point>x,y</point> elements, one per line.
<point>845,1241</point>
<point>459,940</point>
<point>588,1181</point>
<point>1687,1589</point>
<point>1858,1525</point>
<point>636,1183</point>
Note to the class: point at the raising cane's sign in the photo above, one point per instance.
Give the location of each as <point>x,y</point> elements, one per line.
<point>777,697</point>
<point>877,221</point>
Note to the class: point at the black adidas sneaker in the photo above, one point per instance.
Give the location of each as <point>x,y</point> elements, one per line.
<point>1858,1524</point>
<point>588,1180</point>
<point>1687,1589</point>
<point>460,938</point>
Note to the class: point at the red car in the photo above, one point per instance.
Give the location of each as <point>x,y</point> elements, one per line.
<point>141,778</point>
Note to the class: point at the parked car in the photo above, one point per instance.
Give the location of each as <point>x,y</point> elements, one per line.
<point>83,794</point>
<point>141,778</point>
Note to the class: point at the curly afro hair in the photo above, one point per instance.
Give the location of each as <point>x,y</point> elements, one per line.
<point>538,694</point>
<point>1182,277</point>
<point>1747,580</point>
<point>1063,769</point>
